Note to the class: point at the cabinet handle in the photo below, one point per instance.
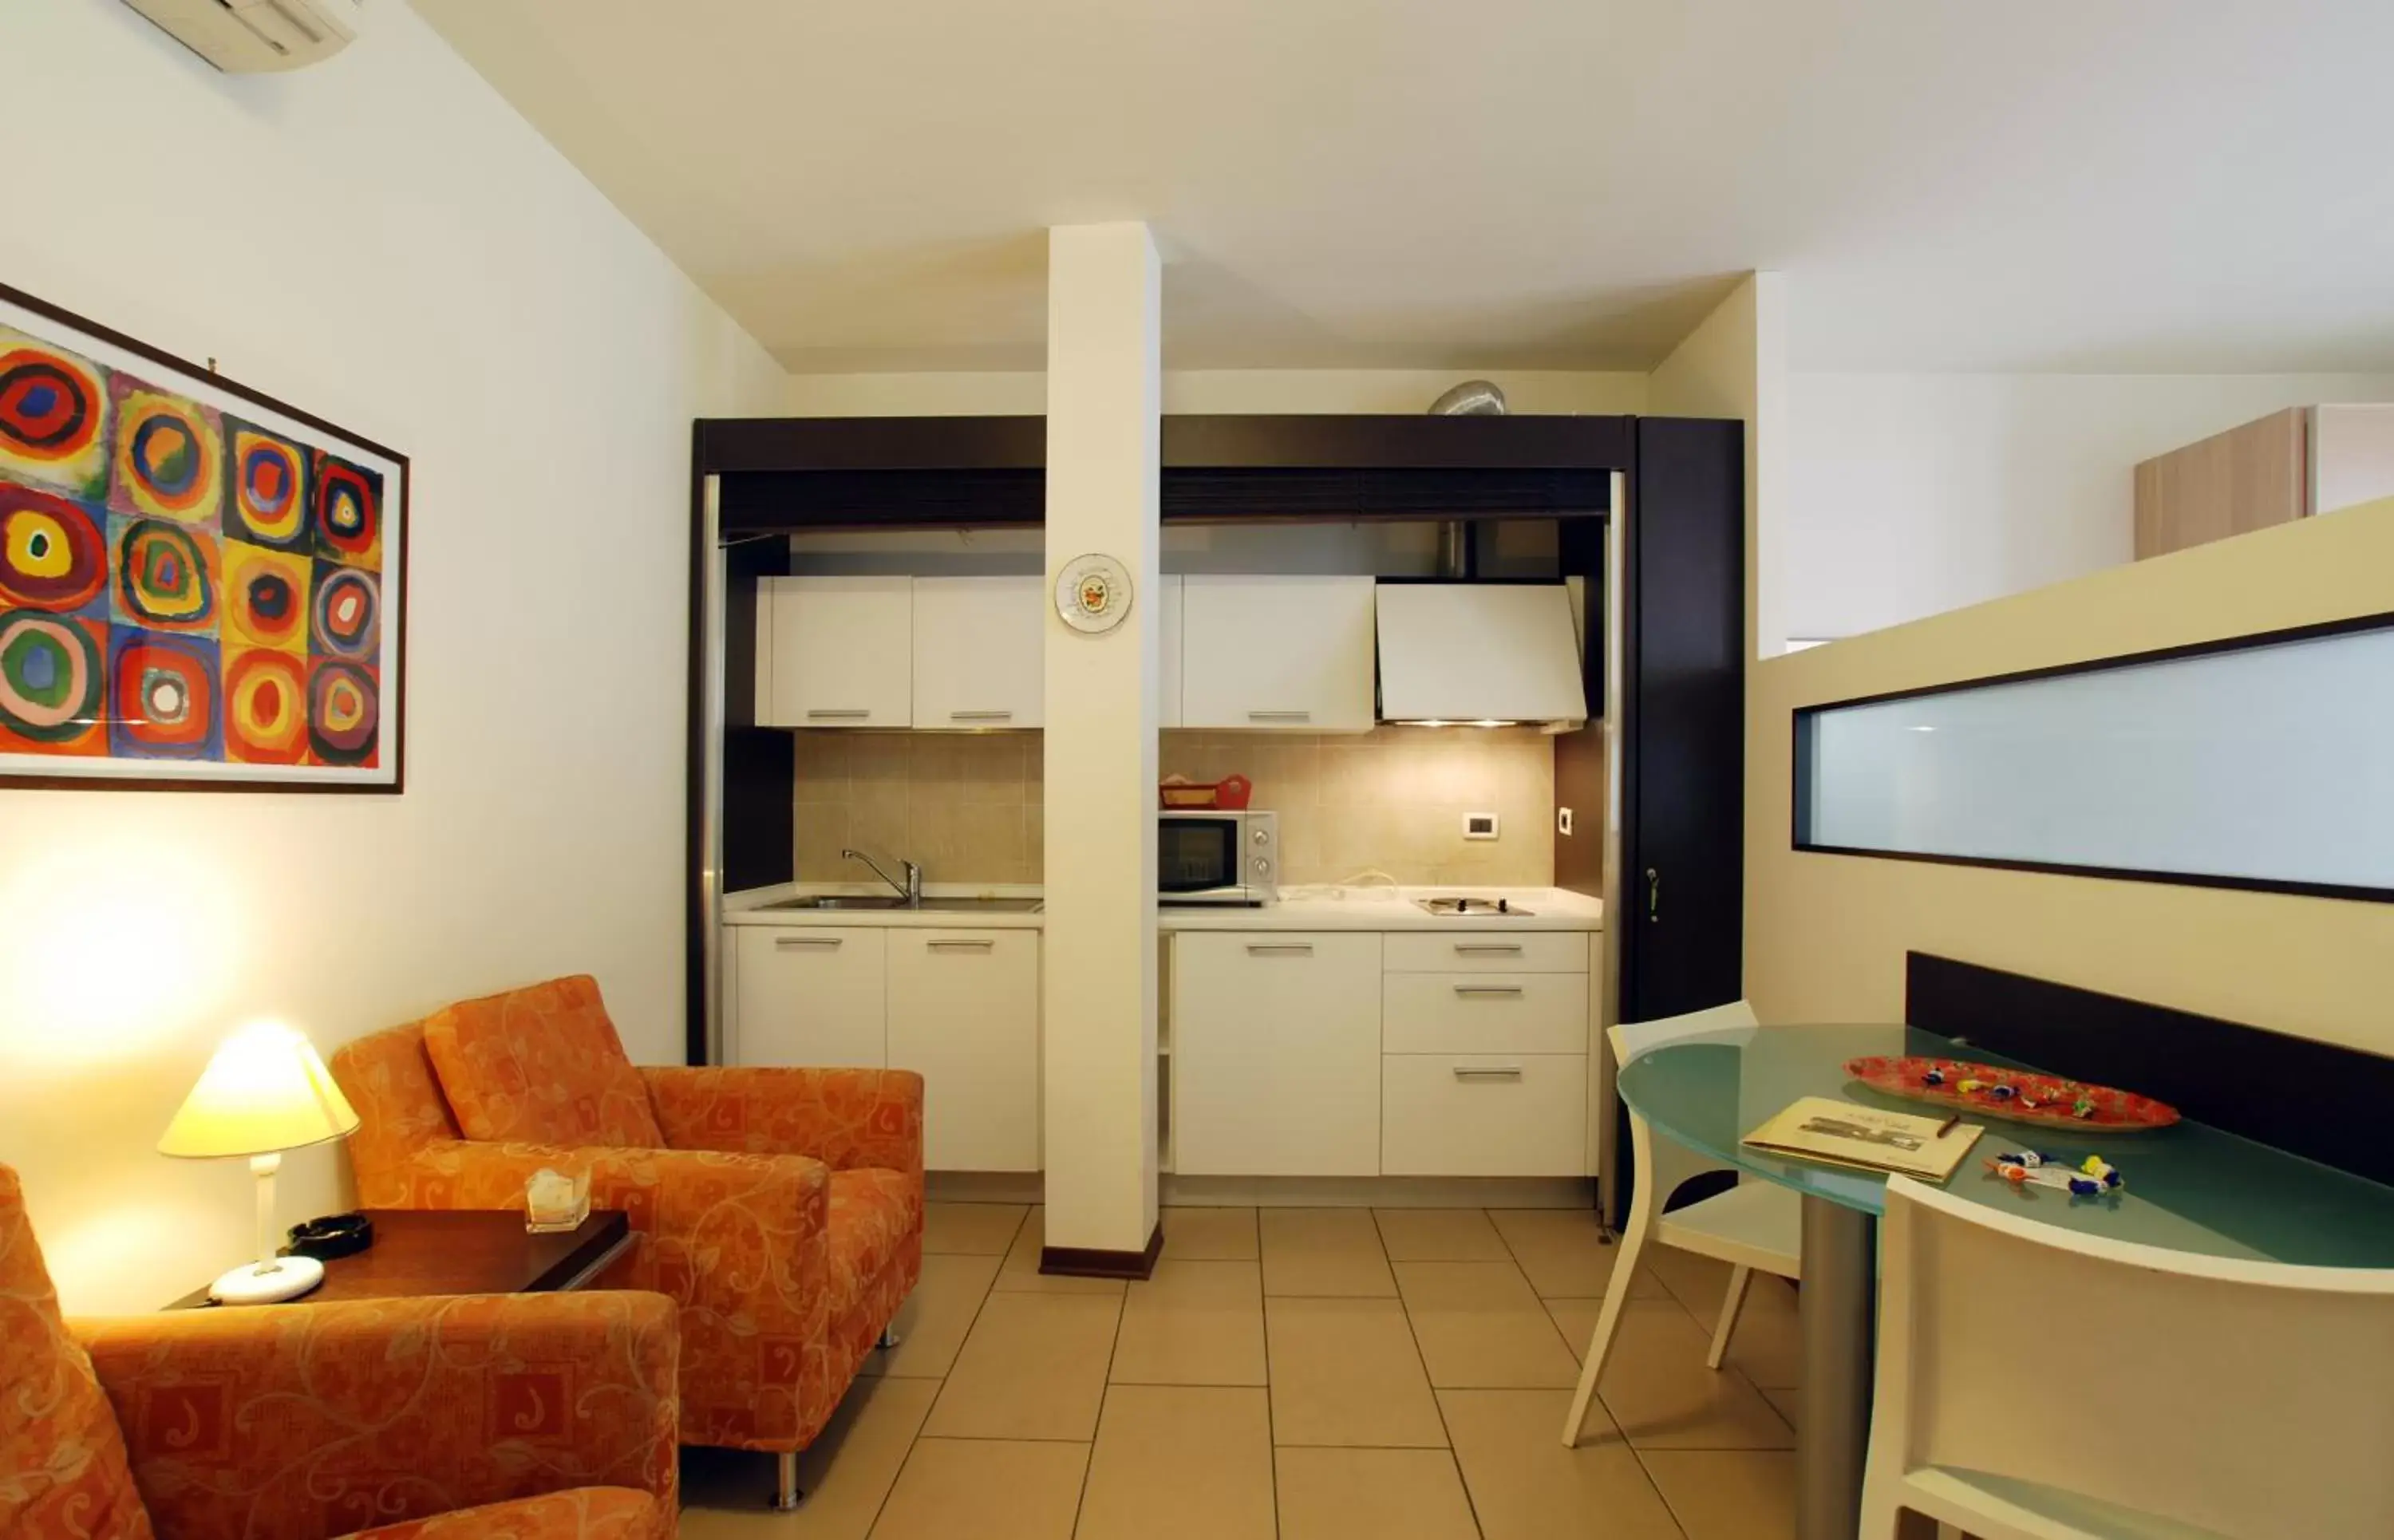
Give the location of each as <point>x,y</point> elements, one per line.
<point>980,716</point>
<point>1493,949</point>
<point>1292,949</point>
<point>791,944</point>
<point>841,713</point>
<point>1511,1071</point>
<point>960,945</point>
<point>1279,715</point>
<point>1487,989</point>
<point>1653,896</point>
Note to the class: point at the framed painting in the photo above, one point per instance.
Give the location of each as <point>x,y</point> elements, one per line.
<point>200,588</point>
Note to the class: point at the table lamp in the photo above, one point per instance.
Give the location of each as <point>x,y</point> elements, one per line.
<point>265,1091</point>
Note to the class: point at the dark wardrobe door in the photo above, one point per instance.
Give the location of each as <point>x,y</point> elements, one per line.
<point>1683,813</point>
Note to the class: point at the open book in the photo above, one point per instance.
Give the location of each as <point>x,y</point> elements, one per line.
<point>1839,1133</point>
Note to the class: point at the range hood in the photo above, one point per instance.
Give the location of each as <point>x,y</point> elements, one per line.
<point>1478,653</point>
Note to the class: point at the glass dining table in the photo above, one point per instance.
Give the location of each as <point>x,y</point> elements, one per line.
<point>2190,1187</point>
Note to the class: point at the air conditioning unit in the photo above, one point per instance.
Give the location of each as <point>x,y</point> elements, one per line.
<point>247,36</point>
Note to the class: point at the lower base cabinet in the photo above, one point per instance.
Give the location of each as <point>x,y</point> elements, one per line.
<point>963,1010</point>
<point>1276,1054</point>
<point>808,998</point>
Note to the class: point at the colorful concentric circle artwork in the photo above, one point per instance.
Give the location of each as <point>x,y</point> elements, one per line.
<point>265,707</point>
<point>166,576</point>
<point>348,513</point>
<point>169,457</point>
<point>53,552</point>
<point>54,416</point>
<point>53,683</point>
<point>346,613</point>
<point>162,696</point>
<point>344,712</point>
<point>269,487</point>
<point>192,577</point>
<point>266,597</point>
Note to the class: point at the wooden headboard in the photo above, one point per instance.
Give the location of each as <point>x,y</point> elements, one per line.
<point>2333,1104</point>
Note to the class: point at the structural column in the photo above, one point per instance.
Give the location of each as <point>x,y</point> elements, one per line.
<point>1098,973</point>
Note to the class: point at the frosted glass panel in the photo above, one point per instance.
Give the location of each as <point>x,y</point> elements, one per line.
<point>2272,765</point>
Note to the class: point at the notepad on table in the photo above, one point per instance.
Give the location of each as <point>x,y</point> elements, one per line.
<point>1864,1139</point>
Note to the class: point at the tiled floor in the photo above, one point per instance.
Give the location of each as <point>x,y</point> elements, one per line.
<point>1292,1374</point>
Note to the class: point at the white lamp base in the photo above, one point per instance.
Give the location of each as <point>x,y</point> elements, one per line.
<point>264,1284</point>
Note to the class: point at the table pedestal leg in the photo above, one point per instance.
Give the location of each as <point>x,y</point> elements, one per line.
<point>1839,1303</point>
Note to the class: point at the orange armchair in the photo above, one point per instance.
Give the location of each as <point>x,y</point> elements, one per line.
<point>549,1419</point>
<point>781,1208</point>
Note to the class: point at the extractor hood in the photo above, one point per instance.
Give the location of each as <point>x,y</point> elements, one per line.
<point>1478,653</point>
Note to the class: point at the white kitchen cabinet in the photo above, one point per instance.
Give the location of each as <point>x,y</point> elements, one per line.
<point>1484,1116</point>
<point>1172,606</point>
<point>835,651</point>
<point>1286,652</point>
<point>1276,1054</point>
<point>1484,1013</point>
<point>977,651</point>
<point>809,995</point>
<point>963,1011</point>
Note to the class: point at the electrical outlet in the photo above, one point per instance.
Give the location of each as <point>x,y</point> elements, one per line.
<point>1478,826</point>
<point>1562,821</point>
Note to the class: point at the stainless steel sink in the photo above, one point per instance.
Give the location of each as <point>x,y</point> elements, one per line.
<point>984,906</point>
<point>892,901</point>
<point>841,901</point>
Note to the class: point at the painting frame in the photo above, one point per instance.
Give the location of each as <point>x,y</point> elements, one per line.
<point>217,516</point>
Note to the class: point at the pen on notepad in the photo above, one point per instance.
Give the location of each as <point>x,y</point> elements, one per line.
<point>1947,1127</point>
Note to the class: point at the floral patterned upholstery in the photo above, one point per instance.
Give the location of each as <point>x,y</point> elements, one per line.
<point>541,1065</point>
<point>546,1417</point>
<point>62,1464</point>
<point>783,1212</point>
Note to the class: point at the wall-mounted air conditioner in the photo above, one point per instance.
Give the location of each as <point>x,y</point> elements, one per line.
<point>247,37</point>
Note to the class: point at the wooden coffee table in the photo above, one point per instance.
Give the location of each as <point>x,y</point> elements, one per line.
<point>426,1251</point>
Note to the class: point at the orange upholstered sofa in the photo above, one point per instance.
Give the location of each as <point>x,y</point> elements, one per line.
<point>781,1208</point>
<point>547,1418</point>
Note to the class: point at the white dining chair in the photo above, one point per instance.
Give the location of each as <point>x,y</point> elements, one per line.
<point>1754,1226</point>
<point>2037,1383</point>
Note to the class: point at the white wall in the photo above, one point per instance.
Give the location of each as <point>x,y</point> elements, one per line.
<point>1217,390</point>
<point>383,242</point>
<point>1912,495</point>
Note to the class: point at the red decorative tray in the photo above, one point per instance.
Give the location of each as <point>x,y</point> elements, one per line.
<point>2017,1096</point>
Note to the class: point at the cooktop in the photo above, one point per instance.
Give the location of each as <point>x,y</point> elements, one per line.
<point>1460,908</point>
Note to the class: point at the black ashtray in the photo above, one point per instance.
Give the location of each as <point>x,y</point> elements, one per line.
<point>335,1235</point>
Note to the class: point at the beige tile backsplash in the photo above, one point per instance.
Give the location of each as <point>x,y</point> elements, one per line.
<point>969,806</point>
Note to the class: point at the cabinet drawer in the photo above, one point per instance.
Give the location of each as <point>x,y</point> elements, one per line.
<point>1484,1013</point>
<point>1483,1115</point>
<point>1488,952</point>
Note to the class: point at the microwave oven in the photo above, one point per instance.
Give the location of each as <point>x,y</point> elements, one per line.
<point>1204,855</point>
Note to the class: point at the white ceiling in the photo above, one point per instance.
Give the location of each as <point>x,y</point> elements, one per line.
<point>1950,184</point>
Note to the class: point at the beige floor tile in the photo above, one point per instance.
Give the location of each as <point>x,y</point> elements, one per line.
<point>1346,1371</point>
<point>1560,1249</point>
<point>1526,1486</point>
<point>936,1317</point>
<point>1193,1323</point>
<point>1378,1493</point>
<point>1480,1327</point>
<point>1439,1235</point>
<point>1768,1343</point>
<point>1663,1397</point>
<point>1034,1367</point>
<point>1209,1234</point>
<point>989,1488</point>
<point>1328,1251</point>
<point>970,1230</point>
<point>1021,1274</point>
<point>1733,1494</point>
<point>844,1474</point>
<point>1698,1283</point>
<point>1181,1463</point>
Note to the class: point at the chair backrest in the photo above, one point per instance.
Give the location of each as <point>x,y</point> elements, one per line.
<point>63,1467</point>
<point>2250,1399</point>
<point>1636,1039</point>
<point>388,1078</point>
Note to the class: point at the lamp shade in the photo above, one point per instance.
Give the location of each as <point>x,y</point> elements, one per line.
<point>265,1090</point>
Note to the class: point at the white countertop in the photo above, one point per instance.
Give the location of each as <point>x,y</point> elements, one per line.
<point>1318,908</point>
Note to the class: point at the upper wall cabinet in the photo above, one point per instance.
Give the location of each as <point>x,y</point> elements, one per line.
<point>1286,652</point>
<point>835,651</point>
<point>977,651</point>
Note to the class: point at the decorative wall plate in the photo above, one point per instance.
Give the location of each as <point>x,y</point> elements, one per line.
<point>1093,593</point>
<point>2017,1096</point>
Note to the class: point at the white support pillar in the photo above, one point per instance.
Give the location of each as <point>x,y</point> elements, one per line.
<point>1098,974</point>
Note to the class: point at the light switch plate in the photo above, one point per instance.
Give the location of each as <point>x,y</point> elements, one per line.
<point>1562,821</point>
<point>1478,826</point>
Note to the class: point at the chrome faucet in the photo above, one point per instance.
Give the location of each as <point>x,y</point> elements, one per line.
<point>910,890</point>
